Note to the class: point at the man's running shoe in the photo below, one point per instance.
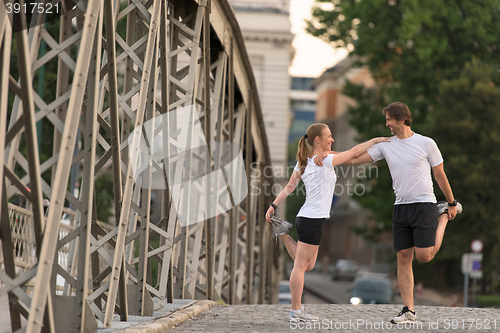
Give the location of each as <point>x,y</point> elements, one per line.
<point>301,315</point>
<point>405,316</point>
<point>280,227</point>
<point>443,207</point>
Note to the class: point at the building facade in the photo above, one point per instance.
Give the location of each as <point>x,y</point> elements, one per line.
<point>302,107</point>
<point>265,26</point>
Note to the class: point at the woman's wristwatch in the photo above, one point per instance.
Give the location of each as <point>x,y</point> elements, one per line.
<point>273,205</point>
<point>453,204</point>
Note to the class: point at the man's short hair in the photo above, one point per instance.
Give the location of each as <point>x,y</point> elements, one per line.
<point>398,111</point>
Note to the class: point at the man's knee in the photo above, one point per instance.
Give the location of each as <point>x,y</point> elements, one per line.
<point>405,256</point>
<point>424,257</point>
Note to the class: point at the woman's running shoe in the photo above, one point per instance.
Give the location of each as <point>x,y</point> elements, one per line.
<point>443,207</point>
<point>280,227</point>
<point>301,315</point>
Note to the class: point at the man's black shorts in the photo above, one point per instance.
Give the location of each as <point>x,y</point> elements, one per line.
<point>309,230</point>
<point>414,225</point>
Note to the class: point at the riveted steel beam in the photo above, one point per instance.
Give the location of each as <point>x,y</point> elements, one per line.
<point>180,65</point>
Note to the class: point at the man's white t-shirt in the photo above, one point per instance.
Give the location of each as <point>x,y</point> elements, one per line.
<point>410,161</point>
<point>320,185</point>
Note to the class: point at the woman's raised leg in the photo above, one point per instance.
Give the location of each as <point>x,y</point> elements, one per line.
<point>291,247</point>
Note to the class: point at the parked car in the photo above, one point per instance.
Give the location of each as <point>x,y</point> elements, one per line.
<point>371,288</point>
<point>344,269</point>
<point>284,297</point>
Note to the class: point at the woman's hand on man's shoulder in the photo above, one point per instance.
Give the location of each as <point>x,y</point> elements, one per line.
<point>318,160</point>
<point>383,139</point>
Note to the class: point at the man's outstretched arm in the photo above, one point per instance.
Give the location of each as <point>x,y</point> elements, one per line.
<point>361,159</point>
<point>445,187</point>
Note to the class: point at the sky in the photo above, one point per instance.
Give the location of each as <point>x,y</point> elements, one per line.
<point>312,55</point>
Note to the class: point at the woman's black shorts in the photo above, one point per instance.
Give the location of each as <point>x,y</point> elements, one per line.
<point>309,230</point>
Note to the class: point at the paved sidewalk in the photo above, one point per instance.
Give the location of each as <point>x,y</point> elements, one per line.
<point>164,322</point>
<point>205,316</point>
<point>341,318</point>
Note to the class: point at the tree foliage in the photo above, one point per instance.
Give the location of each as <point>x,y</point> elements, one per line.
<point>471,141</point>
<point>411,45</point>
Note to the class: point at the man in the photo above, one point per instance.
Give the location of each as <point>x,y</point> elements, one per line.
<point>418,222</point>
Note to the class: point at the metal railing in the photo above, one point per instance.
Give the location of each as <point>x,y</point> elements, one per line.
<point>23,237</point>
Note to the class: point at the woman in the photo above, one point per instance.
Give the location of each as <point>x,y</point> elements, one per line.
<point>320,184</point>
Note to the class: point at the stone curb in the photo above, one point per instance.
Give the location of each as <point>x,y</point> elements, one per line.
<point>162,324</point>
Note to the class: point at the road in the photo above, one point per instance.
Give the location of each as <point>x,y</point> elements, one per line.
<point>309,298</point>
<point>336,292</point>
<point>333,292</point>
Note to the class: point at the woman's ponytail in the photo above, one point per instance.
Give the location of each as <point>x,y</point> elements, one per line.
<point>306,143</point>
<point>302,153</point>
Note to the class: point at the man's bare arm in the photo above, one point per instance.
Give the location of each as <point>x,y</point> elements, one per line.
<point>361,159</point>
<point>445,187</point>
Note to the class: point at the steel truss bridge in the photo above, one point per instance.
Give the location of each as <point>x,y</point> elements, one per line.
<point>129,76</point>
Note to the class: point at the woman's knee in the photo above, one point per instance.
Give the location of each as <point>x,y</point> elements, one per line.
<point>310,266</point>
<point>301,265</point>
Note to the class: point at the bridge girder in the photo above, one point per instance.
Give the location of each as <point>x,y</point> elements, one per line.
<point>128,77</point>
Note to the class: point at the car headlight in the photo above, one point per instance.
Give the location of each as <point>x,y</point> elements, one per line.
<point>355,300</point>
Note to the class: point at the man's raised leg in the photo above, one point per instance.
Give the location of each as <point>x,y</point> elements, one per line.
<point>442,223</point>
<point>428,253</point>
